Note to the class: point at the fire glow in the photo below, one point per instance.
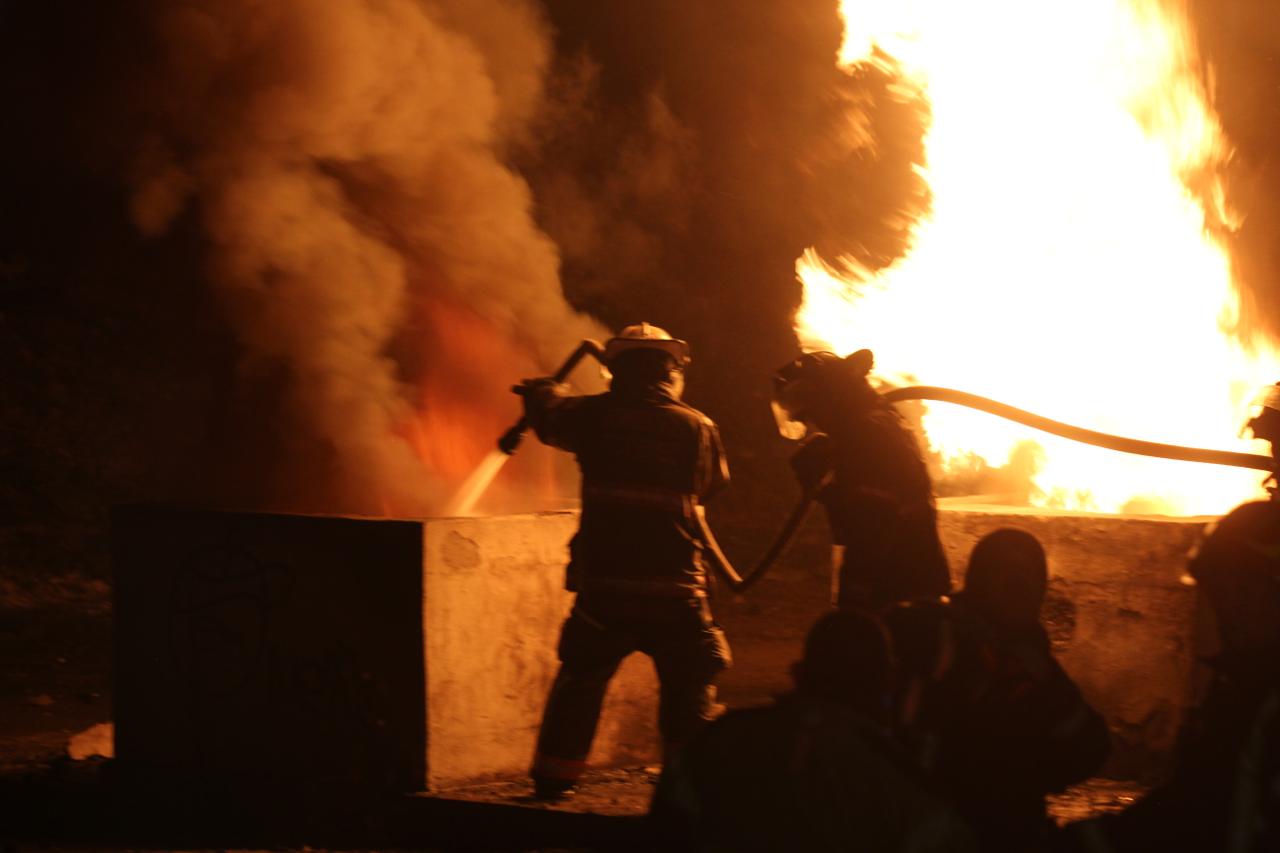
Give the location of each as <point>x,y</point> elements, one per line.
<point>1067,264</point>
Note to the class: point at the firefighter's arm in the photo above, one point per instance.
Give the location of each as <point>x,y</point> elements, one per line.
<point>813,461</point>
<point>551,411</point>
<point>717,464</point>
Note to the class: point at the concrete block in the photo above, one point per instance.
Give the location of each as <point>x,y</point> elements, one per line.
<point>417,654</point>
<point>401,654</point>
<point>494,606</point>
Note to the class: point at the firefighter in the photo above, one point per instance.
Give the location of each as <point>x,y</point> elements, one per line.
<point>1266,426</point>
<point>865,464</point>
<point>648,462</point>
<point>1224,790</point>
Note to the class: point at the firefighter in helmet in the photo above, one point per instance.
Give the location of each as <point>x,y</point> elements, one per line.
<point>865,465</point>
<point>648,461</point>
<point>1266,426</point>
<point>1224,789</point>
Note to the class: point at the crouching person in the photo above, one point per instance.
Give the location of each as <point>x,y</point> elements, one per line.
<point>816,771</point>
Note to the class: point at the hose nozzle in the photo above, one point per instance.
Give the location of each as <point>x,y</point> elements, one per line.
<point>510,439</point>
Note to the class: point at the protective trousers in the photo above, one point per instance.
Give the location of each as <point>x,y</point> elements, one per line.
<point>688,651</point>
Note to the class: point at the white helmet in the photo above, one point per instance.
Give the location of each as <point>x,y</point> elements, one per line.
<point>646,336</point>
<point>1265,420</point>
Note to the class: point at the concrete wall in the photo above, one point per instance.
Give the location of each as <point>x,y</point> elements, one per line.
<point>1119,616</point>
<point>403,654</point>
<point>418,654</point>
<point>268,646</point>
<point>493,608</point>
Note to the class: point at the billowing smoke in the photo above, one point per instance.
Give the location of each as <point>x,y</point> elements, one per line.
<point>342,272</point>
<point>375,255</point>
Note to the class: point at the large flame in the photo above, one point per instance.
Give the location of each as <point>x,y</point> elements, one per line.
<point>1068,264</point>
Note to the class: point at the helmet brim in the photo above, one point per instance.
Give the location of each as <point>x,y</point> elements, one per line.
<point>674,347</point>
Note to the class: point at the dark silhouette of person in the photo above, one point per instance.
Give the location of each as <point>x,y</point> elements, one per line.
<point>648,461</point>
<point>1224,791</point>
<point>1266,426</point>
<point>816,771</point>
<point>864,462</point>
<point>988,708</point>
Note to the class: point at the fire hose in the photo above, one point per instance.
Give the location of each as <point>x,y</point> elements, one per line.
<point>738,583</point>
<point>1075,433</point>
<point>510,440</point>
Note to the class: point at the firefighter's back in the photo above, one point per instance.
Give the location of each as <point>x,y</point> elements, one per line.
<point>647,460</point>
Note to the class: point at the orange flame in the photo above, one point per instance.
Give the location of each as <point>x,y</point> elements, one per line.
<point>1067,265</point>
<point>464,404</point>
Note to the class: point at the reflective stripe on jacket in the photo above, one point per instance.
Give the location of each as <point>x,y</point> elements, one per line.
<point>647,460</point>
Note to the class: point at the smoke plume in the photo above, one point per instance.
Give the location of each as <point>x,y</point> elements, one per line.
<point>346,163</point>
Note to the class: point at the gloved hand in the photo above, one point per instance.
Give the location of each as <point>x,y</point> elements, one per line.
<point>530,387</point>
<point>813,461</point>
<point>538,394</point>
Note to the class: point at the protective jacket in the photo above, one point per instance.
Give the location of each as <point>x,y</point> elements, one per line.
<point>881,507</point>
<point>648,462</point>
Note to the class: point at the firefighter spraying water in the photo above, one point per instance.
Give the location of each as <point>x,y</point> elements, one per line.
<point>648,461</point>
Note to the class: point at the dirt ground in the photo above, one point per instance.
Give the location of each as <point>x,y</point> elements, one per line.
<point>627,791</point>
<point>55,660</point>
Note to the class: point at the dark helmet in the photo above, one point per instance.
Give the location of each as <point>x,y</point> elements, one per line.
<point>1243,546</point>
<point>812,381</point>
<point>1266,424</point>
